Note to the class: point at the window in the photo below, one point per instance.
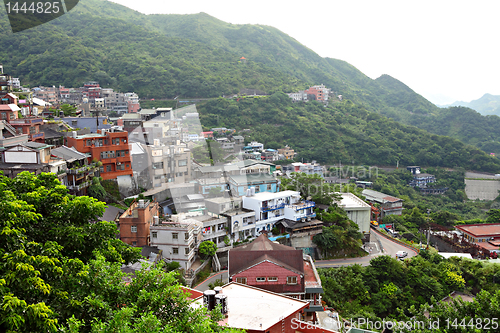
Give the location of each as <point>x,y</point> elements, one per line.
<point>186,235</point>
<point>242,280</point>
<point>186,250</point>
<point>291,280</point>
<point>154,234</point>
<point>134,243</point>
<point>175,250</point>
<point>4,115</point>
<point>133,228</point>
<point>108,168</point>
<point>261,279</point>
<point>158,165</point>
<point>182,163</point>
<point>272,279</point>
<point>175,235</point>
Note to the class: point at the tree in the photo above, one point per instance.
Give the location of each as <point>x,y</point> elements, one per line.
<point>60,268</point>
<point>310,187</point>
<point>96,190</point>
<point>69,110</point>
<point>208,248</point>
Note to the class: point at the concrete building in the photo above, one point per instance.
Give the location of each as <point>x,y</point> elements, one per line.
<point>270,208</point>
<point>389,205</point>
<point>420,179</point>
<point>30,156</point>
<point>79,171</point>
<point>177,238</point>
<point>358,211</point>
<point>261,182</point>
<point>287,152</point>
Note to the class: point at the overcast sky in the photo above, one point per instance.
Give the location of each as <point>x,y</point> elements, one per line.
<point>444,50</point>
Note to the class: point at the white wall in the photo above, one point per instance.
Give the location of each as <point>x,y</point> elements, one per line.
<point>21,157</point>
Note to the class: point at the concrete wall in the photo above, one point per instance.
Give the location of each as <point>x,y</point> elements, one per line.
<point>482,189</point>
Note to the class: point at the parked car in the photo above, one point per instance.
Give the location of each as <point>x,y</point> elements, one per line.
<point>401,254</point>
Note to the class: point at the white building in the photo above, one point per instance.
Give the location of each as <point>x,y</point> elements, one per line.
<point>358,211</point>
<point>177,239</point>
<point>298,96</point>
<point>270,208</point>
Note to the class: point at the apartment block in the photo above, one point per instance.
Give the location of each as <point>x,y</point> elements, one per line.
<point>110,147</point>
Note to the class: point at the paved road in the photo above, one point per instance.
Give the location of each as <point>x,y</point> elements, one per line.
<point>388,248</point>
<point>220,275</point>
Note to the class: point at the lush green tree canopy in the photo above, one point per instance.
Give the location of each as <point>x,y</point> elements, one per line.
<point>60,268</point>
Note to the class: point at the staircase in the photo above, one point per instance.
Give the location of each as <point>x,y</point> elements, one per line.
<point>216,263</point>
<point>9,128</point>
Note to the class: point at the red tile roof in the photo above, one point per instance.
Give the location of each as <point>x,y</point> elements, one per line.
<point>243,257</point>
<point>481,230</point>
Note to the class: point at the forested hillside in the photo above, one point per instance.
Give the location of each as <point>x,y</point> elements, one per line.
<point>464,124</point>
<point>164,56</point>
<point>342,131</point>
<point>83,45</point>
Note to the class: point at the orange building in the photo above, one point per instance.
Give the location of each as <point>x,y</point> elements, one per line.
<point>109,147</point>
<point>135,222</point>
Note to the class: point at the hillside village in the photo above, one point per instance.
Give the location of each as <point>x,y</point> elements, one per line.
<point>185,185</point>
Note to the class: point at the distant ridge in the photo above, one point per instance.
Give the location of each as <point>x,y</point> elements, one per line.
<point>487,105</point>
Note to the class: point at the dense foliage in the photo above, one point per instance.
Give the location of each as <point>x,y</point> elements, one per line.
<point>91,43</point>
<point>342,131</point>
<point>389,288</point>
<point>60,268</point>
<point>164,56</point>
<point>340,236</point>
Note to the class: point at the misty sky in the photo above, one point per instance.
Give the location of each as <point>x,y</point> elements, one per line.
<point>444,50</point>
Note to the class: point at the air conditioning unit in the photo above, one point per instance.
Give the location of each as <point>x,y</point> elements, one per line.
<point>119,163</point>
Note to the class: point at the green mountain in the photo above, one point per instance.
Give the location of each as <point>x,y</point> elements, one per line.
<point>342,131</point>
<point>163,56</point>
<point>486,105</point>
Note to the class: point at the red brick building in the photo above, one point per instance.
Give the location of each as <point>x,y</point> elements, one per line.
<point>91,90</point>
<point>135,222</point>
<point>9,111</point>
<point>111,148</point>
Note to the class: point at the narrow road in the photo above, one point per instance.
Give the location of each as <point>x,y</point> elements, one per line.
<point>389,247</point>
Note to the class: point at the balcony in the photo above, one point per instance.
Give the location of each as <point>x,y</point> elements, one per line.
<point>273,207</point>
<point>78,187</point>
<point>302,205</point>
<point>81,170</point>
